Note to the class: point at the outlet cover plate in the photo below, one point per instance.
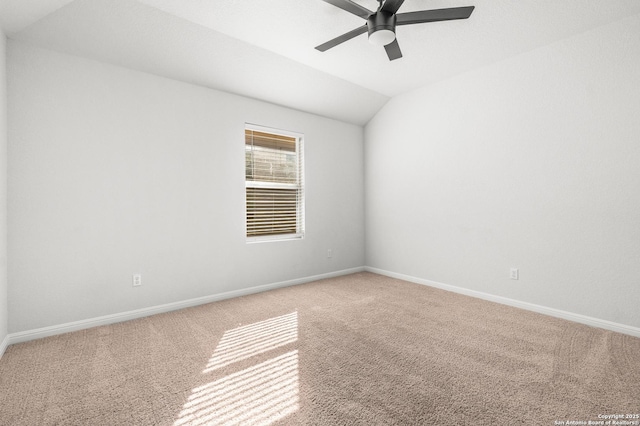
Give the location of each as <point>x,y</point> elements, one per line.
<point>137,280</point>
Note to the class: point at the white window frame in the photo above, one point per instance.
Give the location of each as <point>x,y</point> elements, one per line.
<point>300,207</point>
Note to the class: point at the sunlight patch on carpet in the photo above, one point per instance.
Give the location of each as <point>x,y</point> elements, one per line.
<point>244,342</point>
<point>258,395</point>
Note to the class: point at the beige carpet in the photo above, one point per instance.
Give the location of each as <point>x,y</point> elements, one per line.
<point>359,349</point>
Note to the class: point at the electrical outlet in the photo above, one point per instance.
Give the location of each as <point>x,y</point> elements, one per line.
<point>513,274</point>
<point>137,280</point>
<point>329,253</point>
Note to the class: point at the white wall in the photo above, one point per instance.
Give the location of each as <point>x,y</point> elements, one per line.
<point>533,163</point>
<point>3,190</point>
<point>114,172</point>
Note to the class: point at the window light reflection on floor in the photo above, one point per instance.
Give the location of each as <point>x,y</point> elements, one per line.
<point>258,395</point>
<point>253,339</point>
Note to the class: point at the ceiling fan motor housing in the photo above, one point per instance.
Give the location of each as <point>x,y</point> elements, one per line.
<point>382,22</point>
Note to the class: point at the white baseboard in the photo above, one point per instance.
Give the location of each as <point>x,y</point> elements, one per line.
<point>582,319</point>
<point>24,336</point>
<point>38,333</point>
<point>3,345</point>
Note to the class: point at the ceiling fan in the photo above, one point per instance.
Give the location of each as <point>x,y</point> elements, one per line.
<point>381,24</point>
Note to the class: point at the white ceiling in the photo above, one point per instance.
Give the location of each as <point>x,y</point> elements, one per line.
<point>265,49</point>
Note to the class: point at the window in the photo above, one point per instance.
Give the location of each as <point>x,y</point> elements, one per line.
<point>274,184</point>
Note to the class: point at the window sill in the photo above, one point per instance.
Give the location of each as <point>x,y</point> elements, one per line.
<point>274,238</point>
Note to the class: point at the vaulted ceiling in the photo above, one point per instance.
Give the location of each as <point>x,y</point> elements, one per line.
<point>265,49</point>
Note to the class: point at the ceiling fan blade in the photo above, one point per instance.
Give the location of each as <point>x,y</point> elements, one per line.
<point>434,15</point>
<point>341,39</point>
<point>351,7</point>
<point>393,50</point>
<point>392,6</point>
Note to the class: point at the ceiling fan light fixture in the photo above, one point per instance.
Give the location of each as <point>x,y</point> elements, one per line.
<point>382,37</point>
<point>382,28</point>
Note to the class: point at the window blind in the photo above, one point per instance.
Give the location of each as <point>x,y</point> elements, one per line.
<point>274,187</point>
